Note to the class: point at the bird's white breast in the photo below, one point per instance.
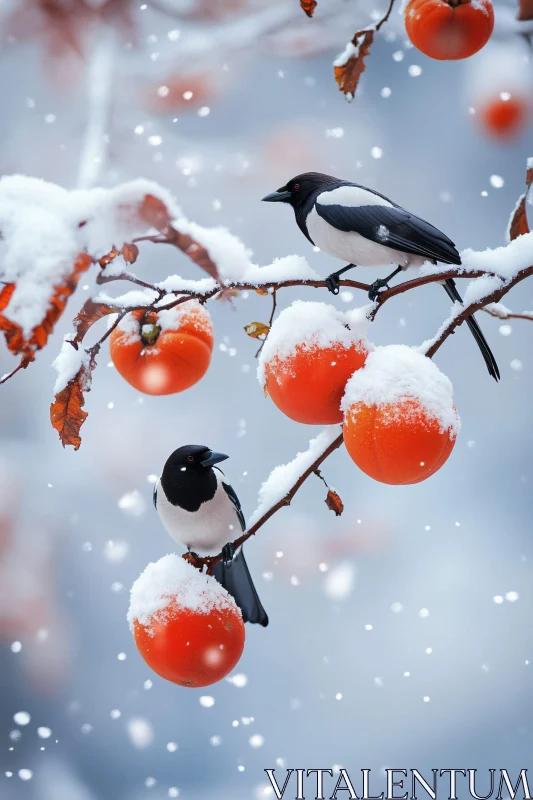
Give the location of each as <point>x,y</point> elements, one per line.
<point>353,248</point>
<point>205,531</point>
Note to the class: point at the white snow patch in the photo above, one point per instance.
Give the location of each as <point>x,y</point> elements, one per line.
<point>41,234</point>
<point>313,326</point>
<point>350,51</point>
<point>395,373</point>
<point>282,478</point>
<point>68,363</point>
<point>171,581</point>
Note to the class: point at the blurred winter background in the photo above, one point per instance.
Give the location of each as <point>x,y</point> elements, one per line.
<point>400,633</point>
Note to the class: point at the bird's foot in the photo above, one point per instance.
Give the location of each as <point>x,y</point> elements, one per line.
<point>376,287</point>
<point>228,551</point>
<point>333,283</point>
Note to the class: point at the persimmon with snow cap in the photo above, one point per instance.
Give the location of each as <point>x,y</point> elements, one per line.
<point>186,626</point>
<point>400,423</point>
<point>448,30</point>
<point>311,351</point>
<point>163,352</point>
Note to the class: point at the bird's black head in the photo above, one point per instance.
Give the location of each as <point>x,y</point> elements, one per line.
<point>298,190</point>
<point>188,479</point>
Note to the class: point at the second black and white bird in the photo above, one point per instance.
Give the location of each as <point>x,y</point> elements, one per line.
<point>201,511</point>
<point>365,228</point>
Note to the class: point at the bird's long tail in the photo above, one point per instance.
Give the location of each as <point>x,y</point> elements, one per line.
<point>490,361</point>
<point>236,579</point>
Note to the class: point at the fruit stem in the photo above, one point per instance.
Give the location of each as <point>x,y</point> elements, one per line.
<point>149,333</point>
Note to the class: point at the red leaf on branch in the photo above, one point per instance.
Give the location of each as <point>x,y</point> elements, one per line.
<point>519,224</point>
<point>350,65</point>
<point>308,6</point>
<point>130,253</point>
<point>155,212</point>
<point>90,313</point>
<point>14,335</point>
<point>66,412</point>
<point>334,502</point>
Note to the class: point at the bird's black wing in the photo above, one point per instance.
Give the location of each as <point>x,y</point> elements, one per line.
<point>154,496</point>
<point>393,227</point>
<point>230,491</point>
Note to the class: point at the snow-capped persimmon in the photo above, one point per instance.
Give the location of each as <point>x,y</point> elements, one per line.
<point>449,29</point>
<point>505,116</point>
<point>400,424</point>
<point>186,626</point>
<point>165,352</point>
<point>309,355</point>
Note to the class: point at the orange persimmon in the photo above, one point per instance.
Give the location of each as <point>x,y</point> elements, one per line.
<point>160,354</point>
<point>449,29</point>
<point>396,443</point>
<point>308,384</point>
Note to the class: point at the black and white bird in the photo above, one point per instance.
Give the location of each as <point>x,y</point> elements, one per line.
<point>365,228</point>
<point>201,511</point>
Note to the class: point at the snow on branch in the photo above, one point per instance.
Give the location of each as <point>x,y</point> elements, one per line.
<point>281,486</point>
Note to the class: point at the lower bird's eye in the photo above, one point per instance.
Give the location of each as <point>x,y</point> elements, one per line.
<point>190,459</point>
<point>296,186</point>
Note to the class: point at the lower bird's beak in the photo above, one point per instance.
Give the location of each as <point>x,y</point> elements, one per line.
<point>277,197</point>
<point>213,458</point>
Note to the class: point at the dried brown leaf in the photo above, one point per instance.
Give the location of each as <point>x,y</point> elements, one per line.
<point>16,341</point>
<point>348,74</point>
<point>88,314</point>
<point>308,6</point>
<point>334,502</point>
<point>109,257</point>
<point>256,329</point>
<point>66,412</point>
<point>130,253</point>
<point>262,292</point>
<point>519,224</point>
<point>155,213</point>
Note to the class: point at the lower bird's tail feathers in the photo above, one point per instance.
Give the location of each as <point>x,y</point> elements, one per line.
<point>236,579</point>
<point>490,361</point>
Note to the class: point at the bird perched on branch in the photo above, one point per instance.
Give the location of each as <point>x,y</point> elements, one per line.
<point>365,228</point>
<point>201,511</point>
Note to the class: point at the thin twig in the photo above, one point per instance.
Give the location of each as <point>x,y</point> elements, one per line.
<point>270,321</point>
<point>387,15</point>
<point>24,361</point>
<point>210,561</point>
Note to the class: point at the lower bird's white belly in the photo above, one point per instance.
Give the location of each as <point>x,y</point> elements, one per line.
<point>205,531</point>
<point>353,248</point>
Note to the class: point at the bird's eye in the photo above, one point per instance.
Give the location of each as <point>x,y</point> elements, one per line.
<point>190,459</point>
<point>296,186</point>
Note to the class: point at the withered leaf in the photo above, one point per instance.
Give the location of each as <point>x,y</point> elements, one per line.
<point>130,252</point>
<point>308,6</point>
<point>153,211</point>
<point>519,224</point>
<point>262,292</point>
<point>256,329</point>
<point>88,314</point>
<point>350,66</point>
<point>14,335</point>
<point>334,502</point>
<point>108,257</point>
<point>66,412</point>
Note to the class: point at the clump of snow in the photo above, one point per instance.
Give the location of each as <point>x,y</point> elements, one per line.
<point>395,373</point>
<point>172,582</point>
<point>350,51</point>
<point>177,284</point>
<point>132,299</point>
<point>313,326</point>
<point>68,363</point>
<point>44,227</point>
<point>282,478</point>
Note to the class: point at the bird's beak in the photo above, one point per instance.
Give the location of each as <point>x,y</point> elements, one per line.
<point>213,458</point>
<point>277,197</point>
